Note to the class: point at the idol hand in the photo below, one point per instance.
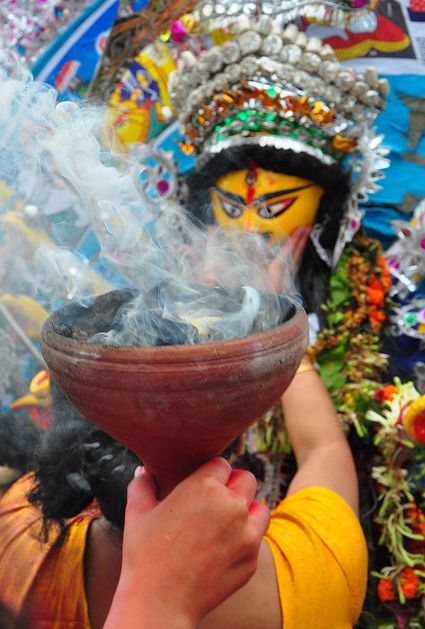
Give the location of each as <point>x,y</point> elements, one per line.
<point>183,556</point>
<point>286,262</point>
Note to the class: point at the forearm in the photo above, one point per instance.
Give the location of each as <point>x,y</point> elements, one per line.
<point>319,444</point>
<point>310,416</point>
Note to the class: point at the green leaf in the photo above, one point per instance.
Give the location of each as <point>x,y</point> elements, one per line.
<point>340,285</point>
<point>335,318</point>
<point>331,366</point>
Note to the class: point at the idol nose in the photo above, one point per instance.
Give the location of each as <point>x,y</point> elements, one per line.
<point>249,224</point>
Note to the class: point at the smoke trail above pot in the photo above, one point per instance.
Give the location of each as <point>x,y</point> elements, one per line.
<point>183,283</point>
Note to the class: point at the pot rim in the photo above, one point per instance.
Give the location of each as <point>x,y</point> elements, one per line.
<point>267,340</point>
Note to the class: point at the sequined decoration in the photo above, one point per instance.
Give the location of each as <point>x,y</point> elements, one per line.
<point>406,257</point>
<point>409,319</point>
<point>28,27</point>
<point>154,172</point>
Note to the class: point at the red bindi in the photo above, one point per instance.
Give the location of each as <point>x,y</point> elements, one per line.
<point>251,180</point>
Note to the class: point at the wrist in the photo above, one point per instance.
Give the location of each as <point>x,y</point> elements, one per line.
<point>306,364</point>
<point>141,608</point>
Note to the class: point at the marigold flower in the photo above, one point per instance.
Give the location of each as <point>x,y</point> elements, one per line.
<point>376,318</point>
<point>375,284</point>
<point>409,582</point>
<point>376,297</point>
<point>377,315</point>
<point>386,592</point>
<point>376,293</point>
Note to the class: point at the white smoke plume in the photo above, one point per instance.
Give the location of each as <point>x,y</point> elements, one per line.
<point>208,285</point>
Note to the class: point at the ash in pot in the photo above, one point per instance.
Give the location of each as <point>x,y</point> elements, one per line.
<point>170,315</point>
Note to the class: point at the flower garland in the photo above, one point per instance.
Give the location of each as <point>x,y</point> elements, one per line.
<point>400,518</point>
<point>352,367</point>
<point>348,349</point>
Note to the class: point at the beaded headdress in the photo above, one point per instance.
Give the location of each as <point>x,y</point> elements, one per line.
<point>336,12</point>
<point>281,89</point>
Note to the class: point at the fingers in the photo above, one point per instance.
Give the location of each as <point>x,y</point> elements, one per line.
<point>298,240</point>
<point>141,492</point>
<point>244,484</point>
<point>218,468</point>
<point>259,516</point>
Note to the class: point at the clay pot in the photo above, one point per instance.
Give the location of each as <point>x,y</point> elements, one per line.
<point>176,406</point>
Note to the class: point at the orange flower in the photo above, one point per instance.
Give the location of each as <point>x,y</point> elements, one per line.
<point>386,393</point>
<point>386,275</point>
<point>409,582</point>
<point>376,318</point>
<point>376,294</point>
<point>375,283</point>
<point>377,315</point>
<point>386,591</point>
<point>376,297</point>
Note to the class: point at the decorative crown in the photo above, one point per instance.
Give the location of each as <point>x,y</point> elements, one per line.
<point>277,89</point>
<point>336,12</point>
<point>265,87</point>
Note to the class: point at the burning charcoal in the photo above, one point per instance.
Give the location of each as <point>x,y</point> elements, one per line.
<point>173,333</point>
<point>170,314</point>
<point>82,323</point>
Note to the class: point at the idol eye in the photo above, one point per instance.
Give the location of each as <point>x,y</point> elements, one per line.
<point>274,209</point>
<point>270,211</point>
<point>232,210</point>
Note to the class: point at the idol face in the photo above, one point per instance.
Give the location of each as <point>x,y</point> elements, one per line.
<point>262,201</point>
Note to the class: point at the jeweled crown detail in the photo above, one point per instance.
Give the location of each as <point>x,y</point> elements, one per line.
<point>264,83</point>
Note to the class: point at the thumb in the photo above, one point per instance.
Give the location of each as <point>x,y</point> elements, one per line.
<point>141,493</point>
<point>217,468</point>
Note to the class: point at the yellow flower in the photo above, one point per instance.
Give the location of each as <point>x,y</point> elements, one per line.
<point>414,420</point>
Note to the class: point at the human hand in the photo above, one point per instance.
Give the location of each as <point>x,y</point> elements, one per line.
<point>287,260</point>
<point>185,555</point>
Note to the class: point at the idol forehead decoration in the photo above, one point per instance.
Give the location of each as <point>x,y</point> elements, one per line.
<point>269,88</point>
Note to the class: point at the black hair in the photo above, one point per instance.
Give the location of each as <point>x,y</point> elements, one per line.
<point>335,179</point>
<point>77,463</point>
<point>19,437</point>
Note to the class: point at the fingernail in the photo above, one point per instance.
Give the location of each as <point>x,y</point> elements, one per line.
<point>139,471</point>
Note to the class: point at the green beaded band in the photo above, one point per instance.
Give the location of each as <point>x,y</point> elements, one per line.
<point>252,121</point>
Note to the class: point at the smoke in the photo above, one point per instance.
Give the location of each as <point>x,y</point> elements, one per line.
<point>191,284</point>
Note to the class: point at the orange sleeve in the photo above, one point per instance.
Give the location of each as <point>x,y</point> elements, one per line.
<point>42,579</point>
<point>21,551</point>
<point>320,557</point>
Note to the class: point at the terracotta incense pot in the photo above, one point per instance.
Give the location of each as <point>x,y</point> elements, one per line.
<point>176,406</point>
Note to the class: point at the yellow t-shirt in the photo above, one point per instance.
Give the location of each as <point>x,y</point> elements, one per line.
<point>317,544</point>
<point>320,557</point>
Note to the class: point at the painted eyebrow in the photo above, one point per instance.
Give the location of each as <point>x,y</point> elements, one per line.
<point>265,197</point>
<point>230,195</point>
